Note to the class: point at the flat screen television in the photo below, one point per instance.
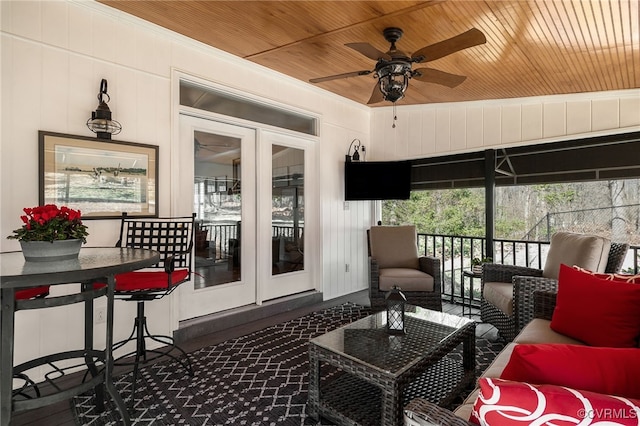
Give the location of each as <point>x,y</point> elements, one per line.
<point>377,180</point>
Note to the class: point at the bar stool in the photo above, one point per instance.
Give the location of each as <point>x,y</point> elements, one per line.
<point>173,238</point>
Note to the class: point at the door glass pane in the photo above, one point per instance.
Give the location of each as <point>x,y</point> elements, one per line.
<point>217,203</point>
<point>287,209</point>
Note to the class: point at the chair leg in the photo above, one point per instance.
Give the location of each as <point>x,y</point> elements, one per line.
<point>28,384</point>
<point>169,341</point>
<point>140,355</point>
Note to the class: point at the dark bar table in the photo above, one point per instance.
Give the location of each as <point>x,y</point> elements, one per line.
<point>96,263</point>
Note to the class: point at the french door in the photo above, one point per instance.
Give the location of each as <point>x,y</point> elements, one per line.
<point>250,192</point>
<point>217,169</point>
<point>287,205</point>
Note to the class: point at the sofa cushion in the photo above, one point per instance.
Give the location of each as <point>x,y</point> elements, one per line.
<point>464,410</point>
<point>497,366</point>
<point>505,403</point>
<point>494,370</point>
<point>499,295</point>
<point>539,331</point>
<point>587,251</point>
<point>596,311</point>
<point>612,371</point>
<point>394,246</point>
<point>406,279</point>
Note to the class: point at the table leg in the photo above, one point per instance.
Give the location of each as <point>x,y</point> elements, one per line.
<point>7,301</point>
<point>88,346</point>
<point>390,405</point>
<point>314,384</point>
<point>471,296</point>
<point>108,379</point>
<point>462,294</point>
<point>469,350</point>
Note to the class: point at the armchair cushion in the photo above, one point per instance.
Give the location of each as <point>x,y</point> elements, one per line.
<point>587,251</point>
<point>596,311</point>
<point>504,403</point>
<point>612,371</point>
<point>405,278</point>
<point>394,246</point>
<point>499,295</point>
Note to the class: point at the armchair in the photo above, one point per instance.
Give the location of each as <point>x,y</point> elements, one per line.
<point>394,260</point>
<point>507,290</point>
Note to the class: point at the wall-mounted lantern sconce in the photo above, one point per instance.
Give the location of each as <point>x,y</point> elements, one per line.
<point>356,155</point>
<point>100,122</point>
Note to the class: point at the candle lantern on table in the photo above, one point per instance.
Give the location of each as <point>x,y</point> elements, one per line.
<point>396,302</point>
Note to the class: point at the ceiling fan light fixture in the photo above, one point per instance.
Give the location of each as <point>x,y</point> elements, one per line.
<point>394,80</point>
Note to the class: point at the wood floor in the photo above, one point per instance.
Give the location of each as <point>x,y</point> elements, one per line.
<point>60,414</point>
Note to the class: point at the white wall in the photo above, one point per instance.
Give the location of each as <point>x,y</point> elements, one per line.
<point>439,129</point>
<point>54,54</point>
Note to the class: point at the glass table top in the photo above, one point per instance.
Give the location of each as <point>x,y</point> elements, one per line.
<point>367,340</point>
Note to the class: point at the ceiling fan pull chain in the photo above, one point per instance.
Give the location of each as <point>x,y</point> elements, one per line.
<point>395,116</point>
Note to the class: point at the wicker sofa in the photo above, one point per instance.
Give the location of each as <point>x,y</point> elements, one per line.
<point>420,412</point>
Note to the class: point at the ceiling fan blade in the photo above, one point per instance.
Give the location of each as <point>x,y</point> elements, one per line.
<point>376,95</point>
<point>337,76</point>
<point>368,50</point>
<point>470,38</point>
<point>438,77</point>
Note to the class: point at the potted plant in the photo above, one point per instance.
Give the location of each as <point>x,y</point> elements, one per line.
<point>476,264</point>
<point>50,233</point>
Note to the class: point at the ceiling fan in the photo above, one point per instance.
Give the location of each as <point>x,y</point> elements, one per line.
<point>394,68</point>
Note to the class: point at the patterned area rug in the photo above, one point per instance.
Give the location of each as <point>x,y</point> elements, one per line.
<point>258,379</point>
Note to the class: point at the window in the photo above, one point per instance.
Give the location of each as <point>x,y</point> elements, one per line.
<point>208,99</point>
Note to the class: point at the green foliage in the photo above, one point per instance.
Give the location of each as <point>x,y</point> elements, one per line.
<point>556,195</point>
<point>449,212</point>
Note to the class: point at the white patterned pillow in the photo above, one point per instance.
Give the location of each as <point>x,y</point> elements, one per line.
<point>505,403</point>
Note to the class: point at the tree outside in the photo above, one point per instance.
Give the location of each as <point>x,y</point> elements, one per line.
<point>533,212</point>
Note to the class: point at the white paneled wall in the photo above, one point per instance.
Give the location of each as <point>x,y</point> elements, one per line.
<point>472,126</point>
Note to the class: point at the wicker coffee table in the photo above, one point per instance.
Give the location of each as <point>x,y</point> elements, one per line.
<point>361,375</point>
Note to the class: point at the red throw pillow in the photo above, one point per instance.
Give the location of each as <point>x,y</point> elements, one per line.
<point>504,403</point>
<point>612,371</point>
<point>596,311</point>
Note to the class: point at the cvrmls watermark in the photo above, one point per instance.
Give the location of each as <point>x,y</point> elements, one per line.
<point>608,413</point>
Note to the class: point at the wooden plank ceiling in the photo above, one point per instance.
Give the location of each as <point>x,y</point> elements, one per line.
<point>533,47</point>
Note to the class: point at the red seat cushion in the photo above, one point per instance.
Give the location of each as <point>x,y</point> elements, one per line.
<point>30,293</point>
<point>149,280</point>
<point>597,311</point>
<point>505,403</point>
<point>612,371</point>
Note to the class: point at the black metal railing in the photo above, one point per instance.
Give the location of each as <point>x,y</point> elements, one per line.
<point>456,253</point>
